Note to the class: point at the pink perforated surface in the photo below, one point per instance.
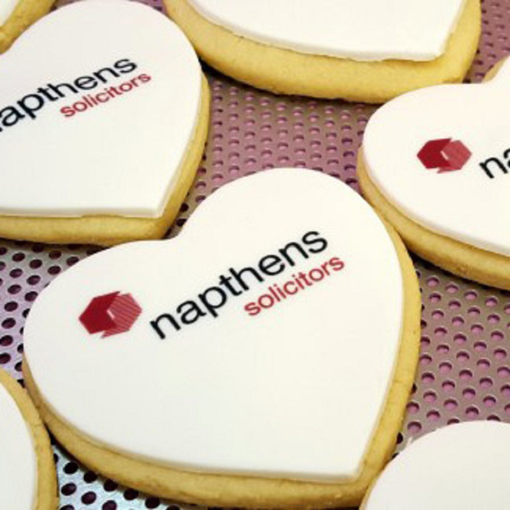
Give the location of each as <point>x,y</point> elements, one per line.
<point>464,370</point>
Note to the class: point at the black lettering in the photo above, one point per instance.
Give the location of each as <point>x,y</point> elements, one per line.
<point>498,166</point>
<point>190,312</point>
<point>30,104</point>
<point>106,70</point>
<point>311,239</point>
<point>271,265</point>
<point>86,82</point>
<point>237,281</point>
<point>57,88</point>
<point>211,305</point>
<point>506,155</point>
<point>167,318</point>
<point>10,116</point>
<point>285,252</point>
<point>125,66</point>
<point>225,281</point>
<point>46,93</point>
<point>238,275</point>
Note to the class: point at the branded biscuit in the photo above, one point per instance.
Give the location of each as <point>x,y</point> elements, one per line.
<point>435,163</point>
<point>18,15</point>
<point>101,136</point>
<point>27,473</point>
<point>238,344</point>
<point>366,50</point>
<point>456,467</point>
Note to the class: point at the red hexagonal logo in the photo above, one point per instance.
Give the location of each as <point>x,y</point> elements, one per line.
<point>111,314</point>
<point>444,155</point>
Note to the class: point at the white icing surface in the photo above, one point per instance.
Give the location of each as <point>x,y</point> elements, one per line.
<point>6,9</point>
<point>119,157</point>
<point>276,394</point>
<point>360,29</point>
<point>18,463</point>
<point>465,205</point>
<point>459,467</point>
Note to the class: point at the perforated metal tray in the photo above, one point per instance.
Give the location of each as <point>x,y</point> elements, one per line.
<point>464,370</point>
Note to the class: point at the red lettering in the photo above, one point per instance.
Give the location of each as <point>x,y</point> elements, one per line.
<point>324,267</point>
<point>90,101</point>
<point>269,304</point>
<point>67,111</point>
<point>336,264</point>
<point>290,285</point>
<point>274,294</point>
<point>301,281</point>
<point>319,275</point>
<point>80,106</point>
<point>144,78</point>
<point>252,308</point>
<point>126,87</point>
<point>102,97</point>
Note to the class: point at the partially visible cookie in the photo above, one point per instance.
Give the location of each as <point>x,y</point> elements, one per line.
<point>27,472</point>
<point>100,136</point>
<point>459,467</point>
<point>18,15</point>
<point>366,50</point>
<point>435,164</point>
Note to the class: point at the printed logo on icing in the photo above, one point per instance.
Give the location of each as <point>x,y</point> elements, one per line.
<point>234,282</point>
<point>447,155</point>
<point>116,313</point>
<point>97,88</point>
<point>110,314</point>
<point>444,155</point>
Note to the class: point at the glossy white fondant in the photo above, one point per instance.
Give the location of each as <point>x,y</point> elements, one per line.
<point>361,29</point>
<point>18,463</point>
<point>459,467</point>
<point>119,157</point>
<point>465,205</point>
<point>279,394</point>
<point>6,9</point>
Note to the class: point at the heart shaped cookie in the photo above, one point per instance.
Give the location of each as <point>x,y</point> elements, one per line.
<point>435,164</point>
<point>459,467</point>
<point>17,15</point>
<point>101,136</point>
<point>362,51</point>
<point>27,473</point>
<point>241,363</point>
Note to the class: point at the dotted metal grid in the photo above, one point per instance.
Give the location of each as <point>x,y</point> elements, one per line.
<point>464,370</point>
